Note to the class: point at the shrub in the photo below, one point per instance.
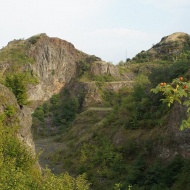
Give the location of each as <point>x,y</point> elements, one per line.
<point>17,83</point>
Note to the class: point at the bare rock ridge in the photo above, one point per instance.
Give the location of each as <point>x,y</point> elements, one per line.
<point>57,63</point>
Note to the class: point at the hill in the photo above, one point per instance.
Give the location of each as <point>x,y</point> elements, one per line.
<point>93,117</point>
<point>171,48</point>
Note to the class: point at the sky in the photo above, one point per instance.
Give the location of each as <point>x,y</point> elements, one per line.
<point>110,29</point>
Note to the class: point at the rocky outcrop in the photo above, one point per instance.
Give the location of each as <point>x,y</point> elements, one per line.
<point>170,48</point>
<point>22,117</point>
<point>182,138</point>
<point>171,45</point>
<point>117,85</point>
<point>104,68</point>
<point>92,95</point>
<point>55,65</point>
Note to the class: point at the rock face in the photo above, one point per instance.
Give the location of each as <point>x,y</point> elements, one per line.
<point>92,95</point>
<point>55,65</point>
<point>22,117</point>
<point>177,115</point>
<point>103,68</point>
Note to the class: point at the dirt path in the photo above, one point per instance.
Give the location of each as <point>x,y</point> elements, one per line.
<point>100,109</point>
<point>47,147</point>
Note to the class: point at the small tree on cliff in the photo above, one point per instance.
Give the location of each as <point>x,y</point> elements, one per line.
<point>176,91</point>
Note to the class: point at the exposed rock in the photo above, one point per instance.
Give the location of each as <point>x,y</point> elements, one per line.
<point>178,36</point>
<point>22,119</point>
<point>25,121</point>
<point>103,68</point>
<point>117,85</point>
<point>182,138</point>
<point>7,98</point>
<point>55,65</point>
<point>90,94</point>
<point>170,48</point>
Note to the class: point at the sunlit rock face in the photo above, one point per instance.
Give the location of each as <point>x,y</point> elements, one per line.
<point>56,63</point>
<point>104,68</point>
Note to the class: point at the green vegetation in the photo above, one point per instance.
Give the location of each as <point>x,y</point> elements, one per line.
<point>120,148</point>
<point>60,111</point>
<point>176,91</point>
<point>143,110</point>
<point>141,118</point>
<point>34,39</point>
<point>166,53</point>
<point>133,163</point>
<point>16,55</point>
<point>17,83</point>
<point>103,78</point>
<point>18,167</point>
<point>85,75</point>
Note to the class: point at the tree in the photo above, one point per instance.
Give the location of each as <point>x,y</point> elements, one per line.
<point>179,91</point>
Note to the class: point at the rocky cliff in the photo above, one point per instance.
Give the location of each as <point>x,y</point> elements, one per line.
<point>54,62</point>
<point>22,116</point>
<point>55,65</point>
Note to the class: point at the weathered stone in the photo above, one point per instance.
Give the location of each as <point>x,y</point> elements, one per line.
<point>24,120</point>
<point>104,68</point>
<point>55,64</point>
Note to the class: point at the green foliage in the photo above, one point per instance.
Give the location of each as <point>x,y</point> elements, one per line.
<point>168,72</point>
<point>111,167</point>
<point>166,53</point>
<point>103,78</point>
<point>176,91</point>
<point>34,39</point>
<point>64,108</point>
<point>15,54</point>
<point>19,170</point>
<point>61,110</point>
<point>10,111</point>
<point>112,98</point>
<point>84,67</point>
<point>65,182</point>
<point>143,110</point>
<point>100,160</point>
<point>16,162</point>
<point>17,83</point>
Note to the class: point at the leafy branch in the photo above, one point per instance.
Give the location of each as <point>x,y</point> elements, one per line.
<point>175,91</point>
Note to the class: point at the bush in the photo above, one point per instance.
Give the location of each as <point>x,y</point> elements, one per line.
<point>17,83</point>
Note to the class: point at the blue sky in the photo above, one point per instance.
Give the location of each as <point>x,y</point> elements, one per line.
<point>109,29</point>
